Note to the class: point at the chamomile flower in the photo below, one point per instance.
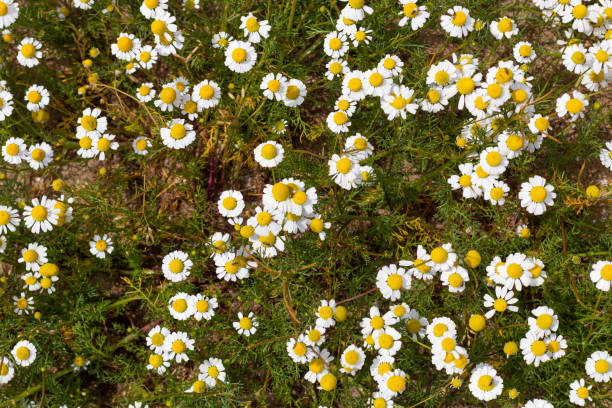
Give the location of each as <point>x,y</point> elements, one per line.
<point>515,271</point>
<point>280,127</point>
<point>392,383</point>
<point>246,325</point>
<point>176,266</point>
<point>391,280</point>
<point>539,124</point>
<point>314,336</point>
<point>443,74</point>
<point>157,363</point>
<point>455,278</point>
<point>420,268</point>
<point>605,155</point>
<point>387,341</point>
<point>579,392</point>
<point>576,59</point>
<point>344,170</point>
<point>318,363</point>
<point>149,8</point>
<point>485,384</point>
<point>24,353</point>
<point>594,81</point>
<point>493,161</point>
<point>346,25</point>
<point>146,92</point>
<point>599,366</point>
<point>101,246</point>
<point>157,339</point>
<point>28,52</point>
<point>317,225</point>
<point>180,307</point>
<point>169,98</point>
<point>206,94</point>
<point>390,66</point>
<point>141,145</point>
<point>465,181</point>
<point>398,102</point>
<point>536,195</point>
<point>177,134</point>
<point>356,9</point>
<point>23,304</point>
<point>9,11</point>
<point>325,314</point>
<point>126,47</point>
<point>601,56</point>
<point>233,267</point>
<point>9,219</point>
<point>293,92</point>
<point>601,275</point>
<point>177,345</point>
<point>203,307</point>
<point>105,144</point>
<point>523,52</point>
<point>6,106</point>
<point>523,231</point>
<point>169,42</point>
<point>468,80</point>
<point>297,349</point>
<point>373,83</point>
<point>221,39</point>
<point>413,14</point>
<point>556,345</point>
<point>572,105</point>
<point>91,123</point>
<point>338,122</point>
<point>80,363</point>
<point>504,300</point>
<point>580,16</point>
<point>504,27</point>
<point>146,57</point>
<point>375,322</point>
<point>335,44</point>
<point>435,100</point>
<point>7,370</point>
<point>88,146</point>
<point>83,4</point>
<point>336,68</point>
<point>39,155</point>
<point>277,196</point>
<point>534,348</point>
<point>37,98</point>
<point>346,105</point>
<point>14,150</point>
<point>443,258</point>
<point>269,154</point>
<point>380,365</point>
<point>212,371</point>
<point>240,56</point>
<point>231,203</point>
<point>352,360</point>
<point>457,22</point>
<point>538,274</point>
<point>533,141</point>
<point>358,147</point>
<point>254,29</point>
<point>41,216</point>
<point>496,191</point>
<point>30,280</point>
<point>538,403</point>
<point>439,327</point>
<point>416,325</point>
<point>505,73</point>
<point>544,322</point>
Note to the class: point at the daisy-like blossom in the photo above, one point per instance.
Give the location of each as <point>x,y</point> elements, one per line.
<point>254,29</point>
<point>457,22</point>
<point>212,371</point>
<point>536,195</point>
<point>246,325</point>
<point>297,349</point>
<point>240,56</point>
<point>580,392</point>
<point>345,171</point>
<point>9,12</point>
<point>573,105</point>
<point>293,93</point>
<point>464,181</point>
<point>230,203</point>
<point>503,28</point>
<point>14,150</point>
<point>176,266</point>
<point>485,384</point>
<point>28,52</point>
<point>412,14</point>
<point>101,246</point>
<point>504,300</point>
<point>39,155</point>
<point>601,275</point>
<point>269,154</point>
<point>177,345</point>
<point>41,216</point>
<point>605,155</point>
<point>398,102</point>
<point>391,280</point>
<point>455,278</point>
<point>599,366</point>
<point>534,348</point>
<point>24,353</point>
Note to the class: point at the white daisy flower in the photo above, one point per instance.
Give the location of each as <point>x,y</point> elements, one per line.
<point>515,271</point>
<point>443,258</point>
<point>573,105</point>
<point>504,300</point>
<point>28,52</point>
<point>420,268</point>
<point>9,12</point>
<point>545,321</point>
<point>317,225</point>
<point>338,122</point>
<point>352,360</point>
<point>345,171</point>
<point>523,231</point>
<point>169,98</point>
<point>101,246</point>
<point>177,134</point>
<point>23,304</point>
<point>157,363</point>
<point>335,44</point>
<point>150,7</point>
<point>387,341</point>
<point>496,192</point>
<point>272,84</point>
<point>146,92</point>
<point>212,371</point>
<point>230,203</point>
<point>336,68</point>
<point>392,383</point>
<point>293,93</point>
<point>580,16</point>
<point>398,102</point>
<point>457,22</point>
<point>269,154</point>
<point>91,123</point>
<point>314,336</point>
<point>346,25</point>
<point>325,314</point>
<point>579,392</point>
<point>534,348</point>
<point>126,48</point>
<point>455,278</point>
<point>157,339</point>
<point>523,52</point>
<point>375,322</point>
<point>24,353</point>
<point>576,59</point>
<point>7,370</point>
<point>141,145</point>
<point>415,324</point>
<point>594,81</point>
<point>361,35</point>
<point>605,155</point>
<point>206,94</point>
<point>104,145</point>
<point>443,74</point>
<point>254,29</point>
<point>203,307</point>
<point>37,98</point>
<point>413,14</point>
<point>380,365</point>
<point>538,274</point>
<point>232,267</point>
<point>536,195</point>
<point>170,42</point>
<point>601,56</point>
<point>240,56</point>
<point>373,83</point>
<point>439,327</point>
<point>297,349</point>
<point>83,4</point>
<point>435,100</point>
<point>246,325</point>
<point>358,147</point>
<point>465,181</point>
<point>14,150</point>
<point>41,216</point>
<point>391,280</point>
<point>485,384</point>
<point>39,155</point>
<point>390,66</point>
<point>556,346</point>
<point>176,266</point>
<point>9,219</point>
<point>318,364</point>
<point>31,281</point>
<point>601,275</point>
<point>504,27</point>
<point>599,366</point>
<point>146,57</point>
<point>356,9</point>
<point>177,345</point>
<point>34,255</point>
<point>180,307</point>
<point>221,39</point>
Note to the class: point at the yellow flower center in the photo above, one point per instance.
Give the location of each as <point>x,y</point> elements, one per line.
<point>494,90</point>
<point>510,348</point>
<point>433,96</point>
<point>316,225</point>
<point>544,321</point>
<point>156,360</point>
<point>524,50</point>
<point>538,347</point>
<point>542,123</point>
<point>158,27</point>
<point>385,341</point>
<point>30,280</point>
<point>124,44</point>
<point>252,25</point>
<point>354,84</point>
<point>356,4</point>
<point>459,18</point>
<point>176,266</point>
<point>504,75</point>
<point>410,10</point>
<point>602,56</point>
<point>579,11</point>
<point>3,9</point>
<point>157,339</point>
<point>179,305</point>
<point>399,102</point>
<point>335,68</point>
<point>178,346</point>
<point>207,92</point>
<point>504,25</point>
<point>486,383</point>
<point>151,3</point>
<point>39,213</point>
<point>514,142</point>
<point>232,267</point>
<point>5,217</point>
<point>339,118</point>
<point>439,329</point>
<point>12,148</point>
<point>178,131</point>
<point>167,95</point>
<point>328,382</point>
<point>22,353</point>
<point>22,303</point>
<point>229,203</point>
<point>514,271</point>
<point>395,281</point>
<point>28,50</point>
<point>538,194</point>
<point>602,366</point>
<point>574,106</point>
<point>582,392</point>
<point>239,55</point>
<point>455,280</point>
<point>246,231</point>
<point>360,143</point>
<point>493,159</point>
<point>519,96</point>
<point>101,245</point>
<point>439,255</point>
<point>326,312</point>
<point>343,165</point>
<point>442,77</point>
<point>351,357</point>
<point>396,383</point>
<point>465,85</point>
<point>480,103</point>
<point>335,44</point>
<point>292,92</point>
<point>300,197</point>
<point>377,322</point>
<point>500,305</point>
<point>213,371</point>
<point>3,369</point>
<point>389,63</point>
<point>48,269</point>
<point>246,323</point>
<point>280,192</point>
<point>554,346</point>
<point>578,57</point>
<point>34,96</point>
<point>606,272</point>
<point>465,180</point>
<point>448,344</point>
<point>360,35</point>
<point>198,386</point>
<point>316,365</point>
<point>103,144</point>
<point>376,79</point>
<point>314,335</point>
